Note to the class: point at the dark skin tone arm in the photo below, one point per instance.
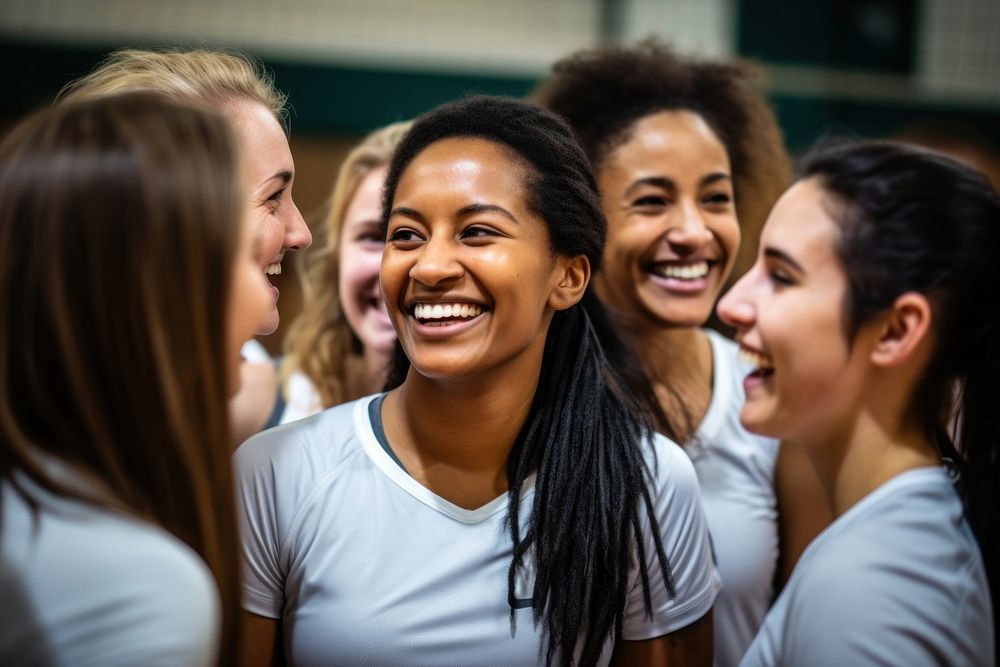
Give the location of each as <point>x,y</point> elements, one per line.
<point>262,642</point>
<point>688,647</point>
<point>691,646</point>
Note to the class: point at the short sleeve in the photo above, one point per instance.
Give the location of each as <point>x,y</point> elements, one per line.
<point>258,503</point>
<point>872,616</point>
<point>684,534</point>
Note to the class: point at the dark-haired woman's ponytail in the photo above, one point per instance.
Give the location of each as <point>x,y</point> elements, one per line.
<point>584,440</point>
<point>979,430</point>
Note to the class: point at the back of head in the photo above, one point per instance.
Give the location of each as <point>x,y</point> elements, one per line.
<point>212,78</point>
<point>602,93</point>
<point>118,230</point>
<point>915,221</point>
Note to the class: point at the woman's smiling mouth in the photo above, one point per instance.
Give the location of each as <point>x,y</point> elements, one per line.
<point>446,314</point>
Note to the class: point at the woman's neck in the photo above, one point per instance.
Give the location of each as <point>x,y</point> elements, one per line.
<point>454,437</point>
<point>866,454</point>
<point>680,365</point>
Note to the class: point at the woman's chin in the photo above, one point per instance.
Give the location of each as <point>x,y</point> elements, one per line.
<point>380,342</point>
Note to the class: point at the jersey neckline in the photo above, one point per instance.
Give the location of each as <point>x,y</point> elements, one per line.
<point>391,469</point>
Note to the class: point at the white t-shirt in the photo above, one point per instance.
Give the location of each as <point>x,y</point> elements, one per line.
<point>367,567</point>
<point>735,470</point>
<point>90,587</point>
<point>898,579</point>
<point>301,400</point>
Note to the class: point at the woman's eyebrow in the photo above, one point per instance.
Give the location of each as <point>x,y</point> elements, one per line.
<point>781,255</point>
<point>473,209</point>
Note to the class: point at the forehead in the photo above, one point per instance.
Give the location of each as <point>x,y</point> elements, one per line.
<point>471,165</point>
<point>262,140</point>
<point>365,204</point>
<point>801,224</point>
<point>676,141</point>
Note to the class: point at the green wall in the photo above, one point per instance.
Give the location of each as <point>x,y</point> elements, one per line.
<point>337,100</point>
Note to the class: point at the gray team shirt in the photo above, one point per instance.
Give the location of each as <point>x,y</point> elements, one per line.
<point>85,587</point>
<point>896,580</point>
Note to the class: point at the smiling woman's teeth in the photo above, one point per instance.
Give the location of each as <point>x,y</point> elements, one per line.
<point>273,269</point>
<point>756,359</point>
<point>437,311</point>
<point>684,272</point>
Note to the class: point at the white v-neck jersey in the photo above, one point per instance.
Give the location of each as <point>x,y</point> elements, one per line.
<point>365,566</point>
<point>735,471</point>
<point>896,580</point>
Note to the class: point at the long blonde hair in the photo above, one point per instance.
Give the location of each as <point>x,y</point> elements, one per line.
<point>119,224</point>
<point>320,344</point>
<point>212,78</point>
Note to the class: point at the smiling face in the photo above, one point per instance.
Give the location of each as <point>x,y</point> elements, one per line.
<point>268,172</point>
<point>468,272</point>
<point>360,251</point>
<point>789,314</point>
<point>667,193</point>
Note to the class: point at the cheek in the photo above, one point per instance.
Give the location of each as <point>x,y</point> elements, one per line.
<point>251,301</point>
<point>270,232</point>
<point>392,276</point>
<point>729,234</point>
<point>359,267</point>
<point>812,356</point>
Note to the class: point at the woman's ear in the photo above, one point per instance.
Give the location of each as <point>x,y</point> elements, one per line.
<point>572,277</point>
<point>905,328</point>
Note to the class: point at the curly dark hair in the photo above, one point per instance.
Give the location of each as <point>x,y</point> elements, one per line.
<point>603,93</point>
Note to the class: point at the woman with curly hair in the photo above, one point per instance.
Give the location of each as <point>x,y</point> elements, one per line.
<point>687,156</point>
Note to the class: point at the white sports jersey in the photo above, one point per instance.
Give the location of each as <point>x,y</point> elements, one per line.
<point>90,587</point>
<point>735,470</point>
<point>896,580</point>
<point>367,567</point>
<point>302,399</point>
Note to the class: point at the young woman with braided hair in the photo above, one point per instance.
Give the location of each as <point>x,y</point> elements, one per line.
<point>507,501</point>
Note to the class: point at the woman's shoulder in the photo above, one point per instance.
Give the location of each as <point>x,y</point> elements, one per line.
<point>673,481</point>
<point>302,452</point>
<point>139,594</point>
<point>302,399</point>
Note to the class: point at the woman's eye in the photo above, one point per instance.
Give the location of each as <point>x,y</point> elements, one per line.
<point>370,237</point>
<point>651,200</point>
<point>276,198</point>
<point>476,231</point>
<point>718,199</point>
<point>405,236</point>
<point>780,277</point>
